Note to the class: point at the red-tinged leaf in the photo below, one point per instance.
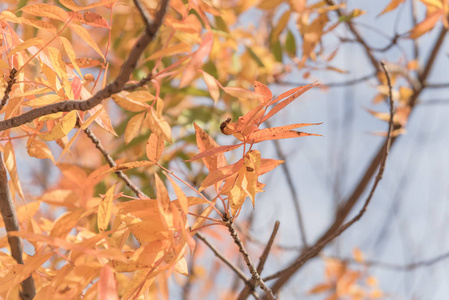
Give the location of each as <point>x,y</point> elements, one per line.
<point>212,86</point>
<point>46,10</point>
<point>214,151</point>
<point>287,101</point>
<point>266,165</point>
<point>263,90</point>
<point>220,174</point>
<point>205,142</point>
<point>197,59</point>
<point>154,148</point>
<point>133,127</point>
<point>70,4</point>
<point>76,87</point>
<point>271,133</point>
<point>182,200</point>
<point>391,6</point>
<point>85,36</point>
<point>105,210</point>
<point>282,135</point>
<point>107,285</point>
<point>426,25</point>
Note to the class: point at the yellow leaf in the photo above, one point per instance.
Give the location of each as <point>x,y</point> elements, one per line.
<point>125,102</point>
<point>70,4</point>
<point>44,100</point>
<point>105,210</point>
<point>200,220</point>
<point>154,148</point>
<point>39,149</point>
<point>158,124</point>
<point>62,128</point>
<point>176,49</point>
<point>84,35</point>
<point>46,10</point>
<point>319,288</point>
<point>181,267</point>
<point>283,21</point>
<point>182,200</point>
<point>163,200</point>
<point>70,53</point>
<point>11,166</point>
<point>133,127</point>
<point>212,86</point>
<point>28,43</point>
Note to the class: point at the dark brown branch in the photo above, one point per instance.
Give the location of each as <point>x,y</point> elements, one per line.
<point>255,275</point>
<point>112,163</point>
<point>11,81</point>
<point>315,250</point>
<point>12,224</point>
<point>263,258</point>
<point>114,87</point>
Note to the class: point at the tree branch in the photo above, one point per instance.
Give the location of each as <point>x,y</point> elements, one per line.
<point>247,290</point>
<point>231,228</point>
<point>11,81</point>
<point>12,224</point>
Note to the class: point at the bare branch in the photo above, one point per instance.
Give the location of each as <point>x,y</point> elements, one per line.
<point>139,84</point>
<point>263,258</point>
<point>259,281</point>
<point>233,267</point>
<point>12,224</point>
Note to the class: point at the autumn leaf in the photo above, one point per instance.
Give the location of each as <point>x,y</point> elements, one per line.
<point>105,209</point>
<point>154,148</point>
<point>62,128</point>
<point>391,6</point>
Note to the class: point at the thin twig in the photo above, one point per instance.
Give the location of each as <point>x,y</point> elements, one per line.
<point>255,275</point>
<point>292,188</point>
<point>233,267</point>
<point>397,267</point>
<point>112,163</point>
<point>9,216</point>
<point>263,258</point>
<point>332,84</point>
<point>139,84</point>
<point>286,273</point>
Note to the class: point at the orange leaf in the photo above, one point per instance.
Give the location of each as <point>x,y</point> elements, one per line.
<point>266,165</point>
<point>282,135</point>
<point>131,165</point>
<point>154,148</point>
<point>11,166</point>
<point>214,151</point>
<point>275,133</point>
<point>205,142</point>
<point>39,149</point>
<point>133,127</point>
<point>391,6</point>
<point>319,288</point>
<point>64,224</point>
<point>426,25</point>
<point>46,10</point>
<point>183,202</point>
<point>212,86</point>
<point>263,90</point>
<point>85,36</point>
<point>357,254</point>
<point>107,285</point>
<point>163,200</point>
<point>125,102</point>
<point>297,92</point>
<point>105,210</point>
<point>70,4</point>
<point>220,174</point>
